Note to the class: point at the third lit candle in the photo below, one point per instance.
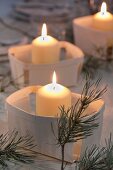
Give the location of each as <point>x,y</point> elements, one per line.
<point>45,49</point>
<point>103,20</point>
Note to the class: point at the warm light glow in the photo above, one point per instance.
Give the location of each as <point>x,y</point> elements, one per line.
<point>103,8</point>
<point>44,30</point>
<point>54,80</point>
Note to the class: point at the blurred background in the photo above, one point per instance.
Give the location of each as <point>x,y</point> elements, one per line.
<point>28,15</point>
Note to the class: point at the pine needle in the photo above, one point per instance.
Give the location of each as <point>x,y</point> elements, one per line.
<point>72,124</point>
<point>14,148</point>
<point>96,158</point>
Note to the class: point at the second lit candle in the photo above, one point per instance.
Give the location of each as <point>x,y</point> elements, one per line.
<point>45,49</point>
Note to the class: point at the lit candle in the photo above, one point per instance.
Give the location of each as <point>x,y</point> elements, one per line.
<point>103,20</point>
<point>50,97</point>
<point>45,49</point>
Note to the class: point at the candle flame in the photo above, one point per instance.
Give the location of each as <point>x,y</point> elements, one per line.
<point>103,8</point>
<point>44,30</point>
<point>54,80</point>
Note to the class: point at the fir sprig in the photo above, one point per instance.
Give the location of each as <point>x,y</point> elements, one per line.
<point>97,158</point>
<point>92,65</point>
<point>101,60</point>
<point>14,148</point>
<point>73,124</point>
<point>108,156</point>
<point>92,159</point>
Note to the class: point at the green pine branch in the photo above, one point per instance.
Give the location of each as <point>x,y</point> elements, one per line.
<point>14,148</point>
<point>97,158</point>
<point>108,156</point>
<point>92,159</point>
<point>72,124</point>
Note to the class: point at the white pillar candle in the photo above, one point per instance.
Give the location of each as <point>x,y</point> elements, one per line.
<point>45,49</point>
<point>103,20</point>
<point>50,97</point>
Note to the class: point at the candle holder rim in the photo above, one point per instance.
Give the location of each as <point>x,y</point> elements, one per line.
<point>63,44</point>
<point>86,26</point>
<point>30,89</point>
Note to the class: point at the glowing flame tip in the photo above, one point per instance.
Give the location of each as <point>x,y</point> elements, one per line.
<point>44,30</point>
<point>54,78</point>
<point>103,8</point>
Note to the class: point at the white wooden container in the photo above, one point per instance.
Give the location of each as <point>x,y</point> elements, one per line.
<point>88,38</point>
<point>67,69</point>
<point>22,117</point>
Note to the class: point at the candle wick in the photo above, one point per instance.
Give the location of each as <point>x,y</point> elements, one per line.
<point>43,38</point>
<point>54,88</point>
<point>103,13</point>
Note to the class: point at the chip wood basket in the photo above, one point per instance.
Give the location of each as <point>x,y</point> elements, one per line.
<point>67,69</point>
<point>88,38</point>
<point>22,117</point>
